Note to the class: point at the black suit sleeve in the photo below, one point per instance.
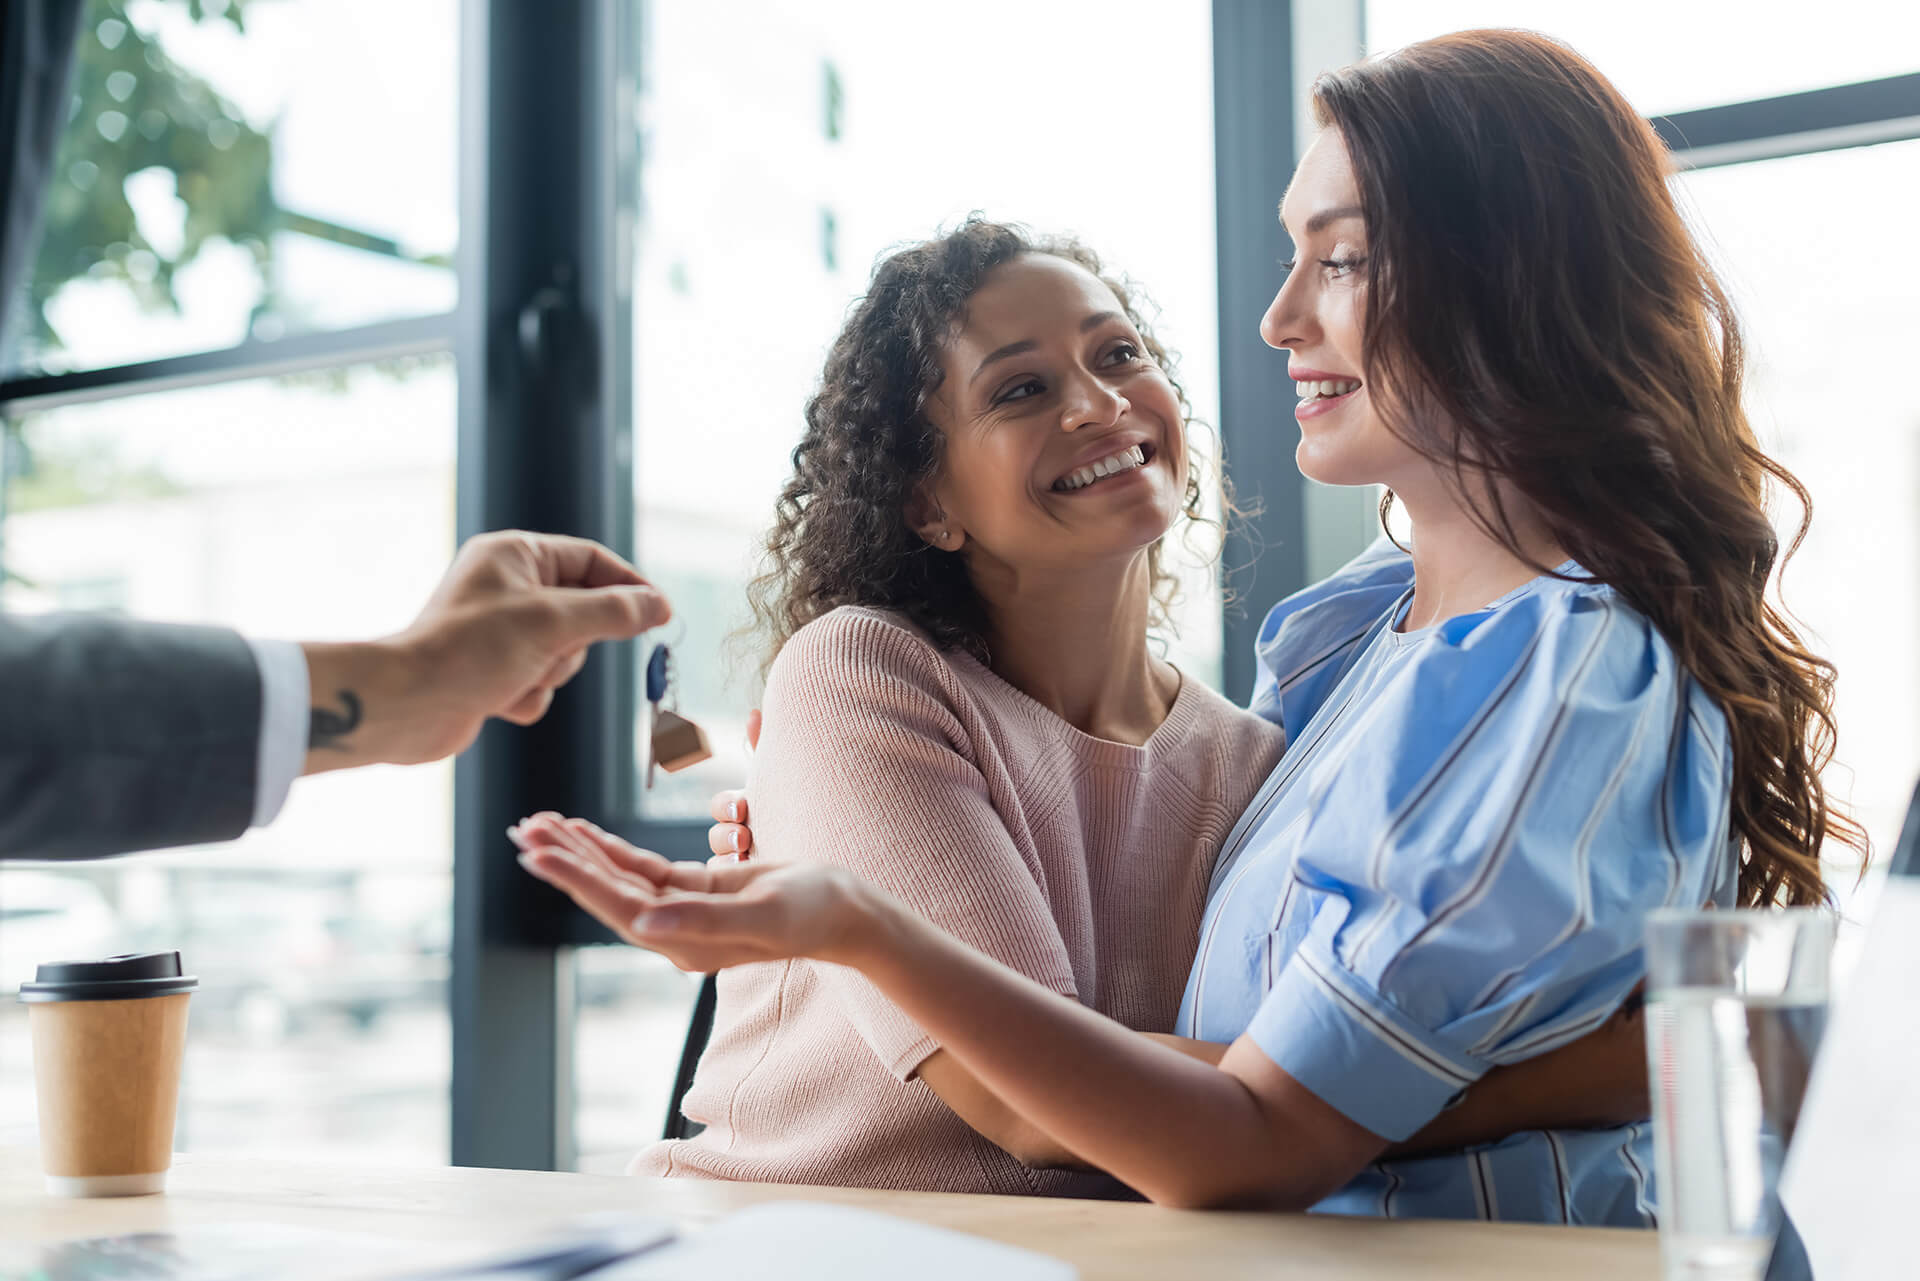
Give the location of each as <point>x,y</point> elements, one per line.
<point>118,735</point>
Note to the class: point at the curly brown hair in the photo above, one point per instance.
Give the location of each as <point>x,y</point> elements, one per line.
<point>840,534</point>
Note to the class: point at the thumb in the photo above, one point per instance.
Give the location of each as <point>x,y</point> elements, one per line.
<point>608,613</point>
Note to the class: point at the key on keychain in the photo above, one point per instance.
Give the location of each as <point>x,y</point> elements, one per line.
<point>673,741</point>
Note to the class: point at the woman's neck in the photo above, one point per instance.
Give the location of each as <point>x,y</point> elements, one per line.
<point>1076,643</point>
<point>1458,567</point>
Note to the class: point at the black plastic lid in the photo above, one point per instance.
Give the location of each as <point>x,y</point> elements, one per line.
<point>118,978</point>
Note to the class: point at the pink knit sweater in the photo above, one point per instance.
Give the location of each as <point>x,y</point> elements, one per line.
<point>1080,862</point>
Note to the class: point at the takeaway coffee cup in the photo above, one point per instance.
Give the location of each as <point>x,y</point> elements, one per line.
<point>107,1042</point>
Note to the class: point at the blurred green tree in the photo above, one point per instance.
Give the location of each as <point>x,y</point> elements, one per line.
<point>135,109</point>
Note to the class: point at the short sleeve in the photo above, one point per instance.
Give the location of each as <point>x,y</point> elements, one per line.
<point>1522,792</point>
<point>865,762</point>
<point>1302,641</point>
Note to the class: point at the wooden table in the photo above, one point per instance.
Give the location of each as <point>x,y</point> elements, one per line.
<point>1104,1240</point>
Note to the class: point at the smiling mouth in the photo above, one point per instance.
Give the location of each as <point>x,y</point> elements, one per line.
<point>1316,389</point>
<point>1118,463</point>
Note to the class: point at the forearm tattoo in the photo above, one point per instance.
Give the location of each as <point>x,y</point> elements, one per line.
<point>327,727</point>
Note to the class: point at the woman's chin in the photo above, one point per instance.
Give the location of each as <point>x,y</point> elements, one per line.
<point>1325,462</point>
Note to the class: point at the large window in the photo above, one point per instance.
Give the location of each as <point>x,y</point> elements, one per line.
<point>1816,253</point>
<point>245,170</point>
<point>313,507</point>
<point>784,149</point>
<point>234,177</point>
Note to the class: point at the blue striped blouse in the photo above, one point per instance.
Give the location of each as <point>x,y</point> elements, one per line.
<point>1449,868</point>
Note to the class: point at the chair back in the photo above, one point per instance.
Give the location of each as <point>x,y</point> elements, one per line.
<point>699,1029</point>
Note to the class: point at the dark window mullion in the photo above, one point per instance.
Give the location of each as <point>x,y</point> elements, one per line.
<point>1863,114</point>
<point>537,451</point>
<point>417,336</point>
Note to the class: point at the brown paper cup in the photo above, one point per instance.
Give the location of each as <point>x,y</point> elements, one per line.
<point>107,1050</point>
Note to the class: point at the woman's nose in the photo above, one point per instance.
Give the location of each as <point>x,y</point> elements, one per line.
<point>1094,404</point>
<point>1283,323</point>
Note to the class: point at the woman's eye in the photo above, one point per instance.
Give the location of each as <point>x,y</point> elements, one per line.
<point>1338,267</point>
<point>1123,353</point>
<point>1020,391</point>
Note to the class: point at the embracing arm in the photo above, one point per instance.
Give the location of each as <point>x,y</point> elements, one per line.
<point>995,1119</point>
<point>1250,1133</point>
<point>1247,1133</point>
<point>1597,1081</point>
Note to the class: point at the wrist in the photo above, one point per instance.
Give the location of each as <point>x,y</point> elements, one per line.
<point>360,697</point>
<point>869,926</point>
<point>882,934</point>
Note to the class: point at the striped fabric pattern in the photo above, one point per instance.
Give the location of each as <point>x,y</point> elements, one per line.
<point>1450,866</point>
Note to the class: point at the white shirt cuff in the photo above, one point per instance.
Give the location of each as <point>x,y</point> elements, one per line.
<point>286,709</point>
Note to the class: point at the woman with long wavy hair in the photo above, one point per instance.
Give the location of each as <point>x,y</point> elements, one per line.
<point>1569,703</point>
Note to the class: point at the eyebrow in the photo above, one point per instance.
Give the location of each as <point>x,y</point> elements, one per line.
<point>1092,322</point>
<point>1326,217</point>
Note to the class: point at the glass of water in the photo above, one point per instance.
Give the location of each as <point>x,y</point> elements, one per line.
<point>1736,1004</point>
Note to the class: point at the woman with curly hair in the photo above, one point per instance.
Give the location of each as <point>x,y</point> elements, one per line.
<point>1569,704</point>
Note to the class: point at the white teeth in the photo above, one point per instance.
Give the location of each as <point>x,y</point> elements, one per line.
<point>1130,457</point>
<point>1317,389</point>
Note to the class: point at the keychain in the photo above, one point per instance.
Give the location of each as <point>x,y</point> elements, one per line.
<point>674,742</point>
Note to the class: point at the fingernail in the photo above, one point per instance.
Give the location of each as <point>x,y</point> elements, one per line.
<point>733,810</point>
<point>738,840</point>
<point>526,861</point>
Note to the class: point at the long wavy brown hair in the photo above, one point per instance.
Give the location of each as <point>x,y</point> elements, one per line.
<point>840,534</point>
<point>1538,312</point>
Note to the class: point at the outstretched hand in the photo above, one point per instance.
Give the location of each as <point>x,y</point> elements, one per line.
<point>510,623</point>
<point>514,617</point>
<point>701,916</point>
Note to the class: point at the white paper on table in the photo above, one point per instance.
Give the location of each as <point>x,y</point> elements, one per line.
<point>808,1241</point>
<point>269,1251</point>
<point>1849,1176</point>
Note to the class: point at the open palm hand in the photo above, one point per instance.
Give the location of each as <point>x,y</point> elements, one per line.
<point>700,916</point>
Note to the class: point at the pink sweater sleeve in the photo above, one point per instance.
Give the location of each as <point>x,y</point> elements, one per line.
<point>864,762</point>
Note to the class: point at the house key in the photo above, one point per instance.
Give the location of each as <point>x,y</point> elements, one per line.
<point>673,741</point>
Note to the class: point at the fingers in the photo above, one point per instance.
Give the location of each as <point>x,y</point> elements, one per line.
<point>590,614</point>
<point>587,842</point>
<point>564,668</point>
<point>623,856</point>
<point>614,903</point>
<point>548,830</point>
<point>529,707</point>
<point>729,839</point>
<point>563,561</point>
<point>703,932</point>
<point>730,806</point>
